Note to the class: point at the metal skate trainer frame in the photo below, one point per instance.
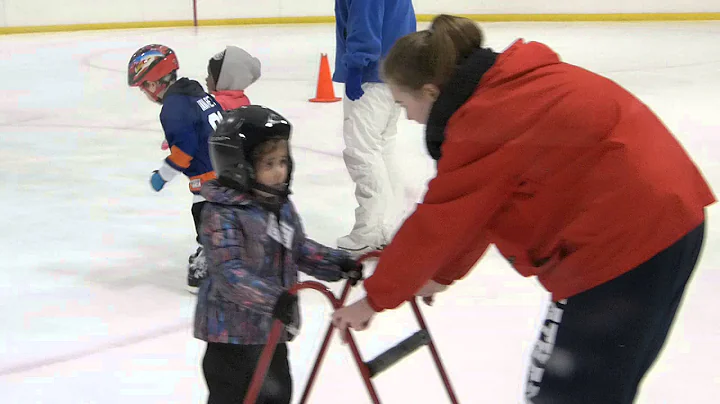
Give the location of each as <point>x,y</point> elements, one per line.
<point>368,370</point>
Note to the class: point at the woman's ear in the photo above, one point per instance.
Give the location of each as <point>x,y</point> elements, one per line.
<point>430,91</point>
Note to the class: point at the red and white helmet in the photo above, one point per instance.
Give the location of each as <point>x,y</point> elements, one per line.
<point>151,63</point>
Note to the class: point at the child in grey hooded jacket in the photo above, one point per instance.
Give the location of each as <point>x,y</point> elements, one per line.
<point>230,73</point>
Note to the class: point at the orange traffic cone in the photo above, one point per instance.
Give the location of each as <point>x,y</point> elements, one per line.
<point>325,91</point>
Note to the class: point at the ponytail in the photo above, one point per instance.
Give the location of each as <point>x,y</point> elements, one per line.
<point>431,56</point>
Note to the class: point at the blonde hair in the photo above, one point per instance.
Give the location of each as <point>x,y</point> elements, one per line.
<point>431,56</point>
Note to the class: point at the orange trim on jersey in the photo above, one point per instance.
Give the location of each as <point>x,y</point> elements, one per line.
<point>179,157</point>
<point>197,181</point>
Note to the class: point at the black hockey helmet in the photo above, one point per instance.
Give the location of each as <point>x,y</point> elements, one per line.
<point>232,144</point>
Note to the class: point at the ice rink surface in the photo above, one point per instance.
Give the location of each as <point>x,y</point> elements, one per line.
<point>93,262</point>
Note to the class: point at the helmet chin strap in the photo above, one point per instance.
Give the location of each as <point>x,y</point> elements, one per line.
<point>158,94</point>
<point>274,198</point>
<point>272,191</point>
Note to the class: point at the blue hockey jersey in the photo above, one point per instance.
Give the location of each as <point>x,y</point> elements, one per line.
<point>365,32</point>
<point>189,116</point>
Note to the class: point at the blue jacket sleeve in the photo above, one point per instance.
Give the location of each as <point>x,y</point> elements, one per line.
<point>225,247</point>
<point>178,122</point>
<point>364,33</point>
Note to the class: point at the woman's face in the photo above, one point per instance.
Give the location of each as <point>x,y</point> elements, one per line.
<point>417,103</point>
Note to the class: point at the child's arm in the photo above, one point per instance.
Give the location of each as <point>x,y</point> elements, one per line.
<point>322,262</point>
<point>178,124</point>
<point>224,242</point>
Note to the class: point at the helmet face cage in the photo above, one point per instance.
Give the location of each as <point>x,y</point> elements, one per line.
<point>151,63</point>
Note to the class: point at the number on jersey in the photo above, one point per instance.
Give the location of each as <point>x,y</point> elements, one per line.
<point>214,119</point>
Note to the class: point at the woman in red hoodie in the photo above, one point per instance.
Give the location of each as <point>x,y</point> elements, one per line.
<point>576,182</point>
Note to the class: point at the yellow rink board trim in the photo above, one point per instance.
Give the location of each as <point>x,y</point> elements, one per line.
<point>329,19</point>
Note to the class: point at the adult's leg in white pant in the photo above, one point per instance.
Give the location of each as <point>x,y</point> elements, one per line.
<point>365,123</point>
<point>395,198</point>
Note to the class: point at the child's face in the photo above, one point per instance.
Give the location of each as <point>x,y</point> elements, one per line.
<point>150,88</point>
<point>209,82</point>
<point>272,168</point>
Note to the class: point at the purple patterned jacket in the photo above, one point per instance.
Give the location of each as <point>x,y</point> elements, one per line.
<point>251,261</point>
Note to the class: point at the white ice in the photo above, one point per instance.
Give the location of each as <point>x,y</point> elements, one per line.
<point>93,263</point>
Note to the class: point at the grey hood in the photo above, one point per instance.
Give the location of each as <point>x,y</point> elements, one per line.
<point>239,70</point>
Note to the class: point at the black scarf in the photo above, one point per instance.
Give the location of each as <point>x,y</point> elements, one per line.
<point>454,94</point>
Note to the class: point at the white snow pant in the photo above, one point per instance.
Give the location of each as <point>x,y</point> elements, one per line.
<point>370,131</point>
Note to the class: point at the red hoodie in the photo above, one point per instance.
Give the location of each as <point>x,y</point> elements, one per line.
<point>231,99</point>
<point>573,179</point>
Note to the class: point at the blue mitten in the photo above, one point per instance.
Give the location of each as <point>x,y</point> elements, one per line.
<point>156,181</point>
<point>353,84</point>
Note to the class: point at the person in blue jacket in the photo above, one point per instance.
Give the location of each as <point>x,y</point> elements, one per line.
<point>365,32</point>
<point>188,117</point>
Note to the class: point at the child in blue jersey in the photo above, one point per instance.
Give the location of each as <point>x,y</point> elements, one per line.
<point>188,117</point>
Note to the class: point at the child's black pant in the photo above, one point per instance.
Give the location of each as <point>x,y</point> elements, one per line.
<point>229,368</point>
<point>196,211</point>
<point>595,347</point>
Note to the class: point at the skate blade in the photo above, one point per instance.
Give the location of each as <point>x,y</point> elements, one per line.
<point>192,289</point>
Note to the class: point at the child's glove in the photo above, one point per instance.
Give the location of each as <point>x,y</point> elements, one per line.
<point>352,270</point>
<point>156,181</point>
<point>284,307</point>
<point>164,145</point>
<point>353,84</point>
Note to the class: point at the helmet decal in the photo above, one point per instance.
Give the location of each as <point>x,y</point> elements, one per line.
<point>150,63</point>
<point>144,60</point>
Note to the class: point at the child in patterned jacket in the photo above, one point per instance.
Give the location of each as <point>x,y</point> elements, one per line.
<point>255,245</point>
